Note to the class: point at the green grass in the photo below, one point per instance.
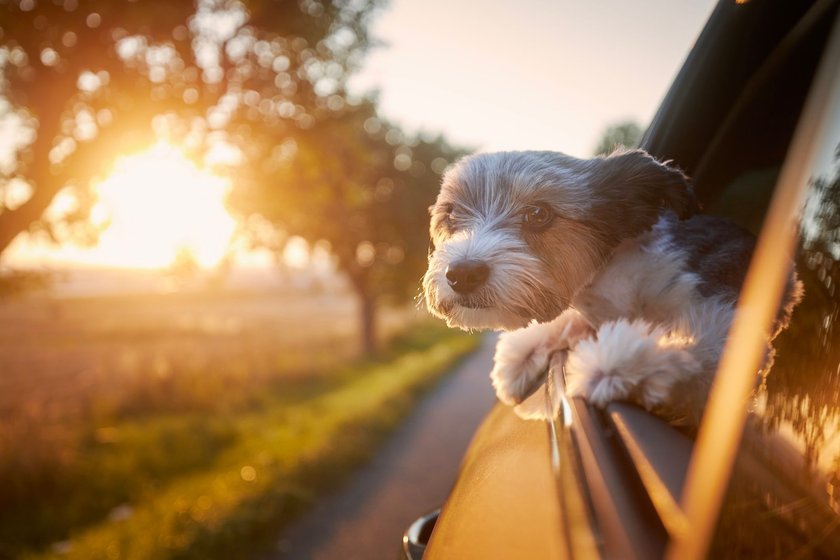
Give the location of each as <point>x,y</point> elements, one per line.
<point>223,485</point>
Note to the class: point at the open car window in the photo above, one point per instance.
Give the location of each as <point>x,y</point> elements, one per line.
<point>783,495</point>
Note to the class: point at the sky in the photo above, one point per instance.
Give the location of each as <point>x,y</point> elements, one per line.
<point>530,74</point>
<point>489,74</point>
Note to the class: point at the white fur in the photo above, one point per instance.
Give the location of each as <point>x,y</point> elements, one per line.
<point>639,281</point>
<point>629,361</point>
<point>513,272</point>
<point>675,337</point>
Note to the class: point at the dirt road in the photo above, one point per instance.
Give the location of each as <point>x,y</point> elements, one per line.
<point>410,476</point>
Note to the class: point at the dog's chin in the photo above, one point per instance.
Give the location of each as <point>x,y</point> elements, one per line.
<point>470,317</point>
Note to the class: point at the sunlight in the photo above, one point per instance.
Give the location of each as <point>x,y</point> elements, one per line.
<point>296,254</point>
<point>157,203</point>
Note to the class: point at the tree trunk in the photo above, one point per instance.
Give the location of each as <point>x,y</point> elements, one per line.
<point>45,185</point>
<point>367,317</point>
<point>367,308</point>
<point>13,222</point>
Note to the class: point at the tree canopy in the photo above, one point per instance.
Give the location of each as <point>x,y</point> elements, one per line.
<point>368,199</point>
<point>625,134</point>
<point>85,81</point>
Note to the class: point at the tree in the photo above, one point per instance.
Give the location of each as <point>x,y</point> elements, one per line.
<point>626,134</point>
<point>357,182</point>
<point>264,77</point>
<point>85,81</point>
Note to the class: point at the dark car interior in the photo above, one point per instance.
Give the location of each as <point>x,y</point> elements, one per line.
<point>746,93</point>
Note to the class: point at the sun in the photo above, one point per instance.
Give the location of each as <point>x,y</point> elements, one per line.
<point>157,203</point>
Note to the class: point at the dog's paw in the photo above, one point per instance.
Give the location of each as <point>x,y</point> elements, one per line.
<point>522,356</point>
<point>629,361</point>
<point>520,364</point>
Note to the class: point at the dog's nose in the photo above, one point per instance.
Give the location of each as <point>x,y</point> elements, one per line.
<point>467,276</point>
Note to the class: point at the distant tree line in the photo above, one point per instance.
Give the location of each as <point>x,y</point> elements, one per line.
<point>623,134</point>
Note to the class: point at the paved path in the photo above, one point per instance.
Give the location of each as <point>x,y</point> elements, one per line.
<point>410,476</point>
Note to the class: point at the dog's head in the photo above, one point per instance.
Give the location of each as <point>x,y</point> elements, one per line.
<point>517,234</point>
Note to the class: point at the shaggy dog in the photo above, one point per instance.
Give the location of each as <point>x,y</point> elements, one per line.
<point>602,263</point>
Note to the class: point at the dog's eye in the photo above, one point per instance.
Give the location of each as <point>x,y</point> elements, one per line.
<point>537,216</point>
<point>442,220</point>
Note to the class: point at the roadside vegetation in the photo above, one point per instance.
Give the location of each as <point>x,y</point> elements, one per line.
<point>187,461</point>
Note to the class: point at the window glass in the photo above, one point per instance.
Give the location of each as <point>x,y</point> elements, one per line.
<point>784,498</point>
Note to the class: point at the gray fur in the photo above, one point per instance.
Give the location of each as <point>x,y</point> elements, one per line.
<point>716,250</point>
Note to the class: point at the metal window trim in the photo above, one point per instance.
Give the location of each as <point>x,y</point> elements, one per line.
<point>660,455</point>
<point>628,526</point>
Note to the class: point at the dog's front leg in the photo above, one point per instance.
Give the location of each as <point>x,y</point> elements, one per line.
<point>522,356</point>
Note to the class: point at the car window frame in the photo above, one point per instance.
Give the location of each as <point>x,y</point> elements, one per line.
<point>721,428</point>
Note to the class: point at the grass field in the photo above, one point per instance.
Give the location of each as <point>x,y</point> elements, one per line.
<point>191,426</point>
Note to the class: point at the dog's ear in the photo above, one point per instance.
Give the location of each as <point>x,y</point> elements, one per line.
<point>631,189</point>
<point>642,178</point>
